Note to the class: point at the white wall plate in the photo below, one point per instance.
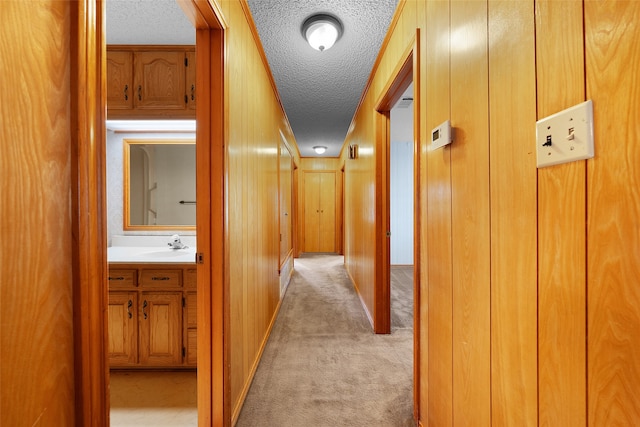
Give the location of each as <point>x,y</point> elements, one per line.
<point>441,135</point>
<point>566,136</point>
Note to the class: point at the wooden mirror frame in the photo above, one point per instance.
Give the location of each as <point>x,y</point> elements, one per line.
<point>126,184</point>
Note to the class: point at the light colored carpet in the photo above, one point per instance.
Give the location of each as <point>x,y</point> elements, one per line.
<point>401,297</point>
<point>323,366</point>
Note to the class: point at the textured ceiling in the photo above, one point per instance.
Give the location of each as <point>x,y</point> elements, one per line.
<point>147,22</point>
<point>319,90</point>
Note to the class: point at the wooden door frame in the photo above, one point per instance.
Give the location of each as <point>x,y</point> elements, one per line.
<point>214,406</point>
<point>88,111</point>
<point>88,198</point>
<point>400,79</point>
<point>406,72</point>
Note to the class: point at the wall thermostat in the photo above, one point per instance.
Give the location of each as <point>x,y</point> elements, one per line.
<point>441,135</point>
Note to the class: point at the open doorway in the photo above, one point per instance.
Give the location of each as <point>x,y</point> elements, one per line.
<point>209,345</point>
<point>151,197</point>
<point>400,90</point>
<point>401,211</point>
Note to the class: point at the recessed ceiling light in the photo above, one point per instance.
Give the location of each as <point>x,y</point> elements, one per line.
<point>321,31</point>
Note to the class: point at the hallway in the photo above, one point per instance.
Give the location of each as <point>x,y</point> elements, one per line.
<point>323,366</point>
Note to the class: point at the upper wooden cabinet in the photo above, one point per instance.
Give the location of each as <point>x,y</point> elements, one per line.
<point>191,80</point>
<point>148,82</point>
<point>119,80</point>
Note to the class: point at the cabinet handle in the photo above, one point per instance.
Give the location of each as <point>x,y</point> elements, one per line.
<point>160,278</point>
<point>126,92</point>
<point>116,278</point>
<point>193,92</point>
<point>129,304</point>
<point>139,92</point>
<point>144,309</point>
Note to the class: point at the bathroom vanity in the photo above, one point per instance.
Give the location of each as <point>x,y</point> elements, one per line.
<point>152,308</point>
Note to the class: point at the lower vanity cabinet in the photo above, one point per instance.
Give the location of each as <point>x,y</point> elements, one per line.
<point>150,323</point>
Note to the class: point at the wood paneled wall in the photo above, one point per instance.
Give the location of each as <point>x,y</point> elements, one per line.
<point>36,259</point>
<point>529,301</point>
<point>255,128</point>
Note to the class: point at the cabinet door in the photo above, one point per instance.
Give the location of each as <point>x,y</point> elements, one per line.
<point>159,79</point>
<point>120,80</point>
<point>191,80</point>
<point>160,328</point>
<point>122,328</point>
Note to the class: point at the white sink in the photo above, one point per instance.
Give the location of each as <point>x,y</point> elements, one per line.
<point>165,253</point>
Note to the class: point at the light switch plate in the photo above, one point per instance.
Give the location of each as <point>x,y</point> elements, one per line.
<point>566,136</point>
<point>441,135</point>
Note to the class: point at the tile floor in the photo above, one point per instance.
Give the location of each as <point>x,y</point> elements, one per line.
<point>153,399</point>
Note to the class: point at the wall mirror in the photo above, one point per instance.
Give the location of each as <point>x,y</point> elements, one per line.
<point>159,184</point>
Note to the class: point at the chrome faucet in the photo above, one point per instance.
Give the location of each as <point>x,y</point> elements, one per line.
<point>175,243</point>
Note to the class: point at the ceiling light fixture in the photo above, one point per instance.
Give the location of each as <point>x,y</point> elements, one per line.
<point>320,149</point>
<point>321,31</point>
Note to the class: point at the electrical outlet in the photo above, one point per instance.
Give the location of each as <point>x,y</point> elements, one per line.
<point>566,136</point>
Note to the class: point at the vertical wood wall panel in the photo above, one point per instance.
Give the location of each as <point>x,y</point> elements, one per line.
<point>561,228</point>
<point>470,214</point>
<point>36,293</point>
<point>436,235</point>
<point>612,31</point>
<point>421,263</point>
<point>512,101</point>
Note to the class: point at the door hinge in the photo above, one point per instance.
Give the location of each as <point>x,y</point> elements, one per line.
<point>184,303</point>
<point>186,62</point>
<point>184,352</point>
<point>186,99</point>
<point>200,258</point>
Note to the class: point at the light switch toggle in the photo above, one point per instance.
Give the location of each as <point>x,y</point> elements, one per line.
<point>571,135</point>
<point>565,136</point>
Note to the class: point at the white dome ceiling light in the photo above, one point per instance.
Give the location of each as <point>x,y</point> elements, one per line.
<point>321,31</point>
<point>320,149</point>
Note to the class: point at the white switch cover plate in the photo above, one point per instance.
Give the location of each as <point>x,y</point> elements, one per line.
<point>441,135</point>
<point>566,136</point>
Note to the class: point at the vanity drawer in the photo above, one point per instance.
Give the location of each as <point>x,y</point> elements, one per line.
<point>161,278</point>
<point>120,278</point>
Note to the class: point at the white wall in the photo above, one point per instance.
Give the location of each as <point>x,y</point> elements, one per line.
<point>401,186</point>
